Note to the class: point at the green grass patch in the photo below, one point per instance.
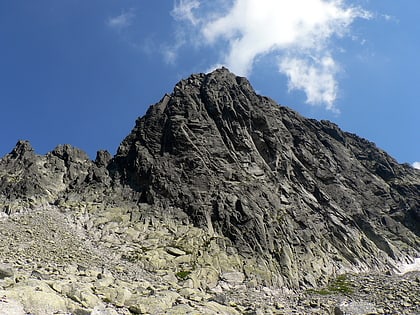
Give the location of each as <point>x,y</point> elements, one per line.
<point>341,284</point>
<point>183,274</point>
<point>320,291</point>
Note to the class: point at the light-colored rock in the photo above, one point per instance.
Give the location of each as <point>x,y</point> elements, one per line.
<point>175,251</point>
<point>355,308</point>
<point>122,295</point>
<point>118,294</point>
<point>104,281</point>
<point>185,259</point>
<point>36,297</point>
<point>103,310</point>
<point>192,294</point>
<point>234,277</point>
<point>11,306</point>
<point>183,309</point>
<point>205,277</point>
<point>82,293</point>
<point>155,304</point>
<point>216,308</point>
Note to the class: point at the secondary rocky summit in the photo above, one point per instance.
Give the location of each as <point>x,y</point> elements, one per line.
<point>263,196</point>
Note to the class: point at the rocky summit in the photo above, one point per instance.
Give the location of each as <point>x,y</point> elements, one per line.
<point>220,201</point>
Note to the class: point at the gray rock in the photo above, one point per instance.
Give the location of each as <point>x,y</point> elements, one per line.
<point>355,308</point>
<point>6,272</point>
<point>234,277</point>
<point>295,200</point>
<point>304,195</point>
<point>29,180</point>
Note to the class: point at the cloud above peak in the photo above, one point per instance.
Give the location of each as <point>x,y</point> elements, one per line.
<point>416,165</point>
<point>121,21</point>
<point>314,76</point>
<point>183,10</point>
<point>298,32</point>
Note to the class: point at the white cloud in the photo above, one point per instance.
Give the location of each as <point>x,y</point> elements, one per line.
<point>316,77</point>
<point>183,10</point>
<point>121,21</point>
<point>170,52</point>
<point>416,165</point>
<point>299,32</point>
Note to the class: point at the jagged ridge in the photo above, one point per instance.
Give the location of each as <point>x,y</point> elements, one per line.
<point>308,198</point>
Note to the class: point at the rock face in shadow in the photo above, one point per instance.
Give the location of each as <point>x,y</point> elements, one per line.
<point>307,198</point>
<point>28,179</point>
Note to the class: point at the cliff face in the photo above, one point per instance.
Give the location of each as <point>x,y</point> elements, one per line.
<point>305,197</point>
<point>302,193</point>
<point>29,180</point>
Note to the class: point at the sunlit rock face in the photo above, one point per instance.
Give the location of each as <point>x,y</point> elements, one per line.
<point>310,199</point>
<point>279,200</point>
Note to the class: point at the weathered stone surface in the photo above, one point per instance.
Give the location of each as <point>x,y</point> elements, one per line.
<point>10,306</point>
<point>28,180</point>
<point>233,277</point>
<point>220,201</point>
<point>36,297</point>
<point>303,194</point>
<point>355,308</point>
<point>6,272</point>
<point>154,304</point>
<point>175,251</point>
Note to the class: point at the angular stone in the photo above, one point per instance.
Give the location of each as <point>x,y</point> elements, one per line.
<point>6,271</point>
<point>216,308</point>
<point>153,304</point>
<point>103,310</point>
<point>83,294</point>
<point>36,297</point>
<point>234,277</point>
<point>204,277</point>
<point>10,306</point>
<point>355,308</point>
<point>175,251</point>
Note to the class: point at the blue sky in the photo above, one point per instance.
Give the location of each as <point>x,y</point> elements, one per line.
<point>81,72</point>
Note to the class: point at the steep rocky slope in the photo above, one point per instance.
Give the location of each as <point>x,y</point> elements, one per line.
<point>308,197</point>
<point>220,200</point>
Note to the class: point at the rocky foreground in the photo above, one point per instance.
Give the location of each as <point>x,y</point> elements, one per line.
<point>220,201</point>
<point>82,259</point>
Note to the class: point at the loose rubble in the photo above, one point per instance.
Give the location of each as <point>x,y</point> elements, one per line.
<point>219,201</point>
<point>73,263</point>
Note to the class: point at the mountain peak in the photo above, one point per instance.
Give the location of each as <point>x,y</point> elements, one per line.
<point>22,148</point>
<point>270,180</point>
<point>302,197</point>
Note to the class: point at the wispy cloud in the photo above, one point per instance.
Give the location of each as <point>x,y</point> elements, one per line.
<point>416,165</point>
<point>299,32</point>
<point>121,21</point>
<point>316,77</point>
<point>183,10</point>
